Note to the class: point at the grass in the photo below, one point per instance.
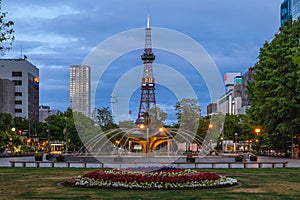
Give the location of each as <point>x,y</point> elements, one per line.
<point>42,183</point>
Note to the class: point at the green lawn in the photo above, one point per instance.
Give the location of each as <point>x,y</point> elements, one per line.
<point>42,183</point>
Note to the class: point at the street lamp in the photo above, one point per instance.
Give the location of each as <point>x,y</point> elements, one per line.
<point>13,129</point>
<point>147,143</point>
<point>235,136</point>
<point>117,142</point>
<point>257,131</point>
<point>142,126</point>
<point>66,136</point>
<point>48,136</point>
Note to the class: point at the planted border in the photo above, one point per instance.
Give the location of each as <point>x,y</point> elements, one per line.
<point>160,179</point>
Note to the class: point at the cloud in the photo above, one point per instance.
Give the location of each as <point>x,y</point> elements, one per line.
<point>54,34</point>
<point>28,10</point>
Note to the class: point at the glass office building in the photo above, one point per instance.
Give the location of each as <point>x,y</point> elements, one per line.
<point>289,9</point>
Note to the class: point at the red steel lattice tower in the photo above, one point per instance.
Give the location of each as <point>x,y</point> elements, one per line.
<point>147,100</point>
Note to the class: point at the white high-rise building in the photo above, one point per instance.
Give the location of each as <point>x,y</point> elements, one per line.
<point>295,9</point>
<point>80,88</point>
<point>289,9</point>
<point>25,77</point>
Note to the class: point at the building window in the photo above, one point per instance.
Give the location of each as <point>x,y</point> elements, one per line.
<point>18,102</point>
<point>18,94</point>
<point>18,110</point>
<point>18,82</point>
<point>17,74</point>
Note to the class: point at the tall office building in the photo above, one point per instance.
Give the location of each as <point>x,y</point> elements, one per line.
<point>289,9</point>
<point>285,11</point>
<point>295,9</point>
<point>7,93</point>
<point>236,100</point>
<point>80,88</point>
<point>25,77</point>
<point>45,112</point>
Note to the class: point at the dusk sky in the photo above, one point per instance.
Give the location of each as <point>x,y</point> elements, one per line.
<point>55,34</point>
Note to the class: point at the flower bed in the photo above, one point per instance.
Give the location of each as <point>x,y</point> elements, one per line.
<point>159,179</point>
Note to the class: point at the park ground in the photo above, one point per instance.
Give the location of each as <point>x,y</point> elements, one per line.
<point>43,183</point>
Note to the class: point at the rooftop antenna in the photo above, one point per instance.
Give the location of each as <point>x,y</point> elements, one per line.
<point>21,48</point>
<point>148,18</point>
<point>148,21</point>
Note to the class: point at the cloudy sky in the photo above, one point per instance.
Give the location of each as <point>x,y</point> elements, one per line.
<point>54,34</point>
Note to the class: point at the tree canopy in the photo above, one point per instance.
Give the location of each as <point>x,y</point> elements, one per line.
<point>275,94</point>
<point>188,114</point>
<point>6,32</point>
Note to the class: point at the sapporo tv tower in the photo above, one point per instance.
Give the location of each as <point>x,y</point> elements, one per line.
<point>147,100</point>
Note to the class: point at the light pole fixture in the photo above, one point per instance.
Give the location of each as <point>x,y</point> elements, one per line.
<point>257,131</point>
<point>235,136</point>
<point>66,136</point>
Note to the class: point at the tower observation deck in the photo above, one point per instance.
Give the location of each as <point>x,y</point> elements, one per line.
<point>147,100</point>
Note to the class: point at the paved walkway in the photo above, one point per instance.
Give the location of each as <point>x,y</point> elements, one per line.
<point>292,163</point>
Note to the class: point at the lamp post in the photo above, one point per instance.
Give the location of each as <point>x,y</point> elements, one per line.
<point>147,142</point>
<point>29,129</point>
<point>48,131</point>
<point>142,126</point>
<point>235,137</point>
<point>292,150</point>
<point>13,129</point>
<point>257,131</point>
<point>66,136</point>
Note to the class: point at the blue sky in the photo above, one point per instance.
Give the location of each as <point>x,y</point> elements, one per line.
<point>54,34</point>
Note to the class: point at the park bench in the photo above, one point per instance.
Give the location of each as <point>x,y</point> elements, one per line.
<point>230,164</point>
<point>68,164</point>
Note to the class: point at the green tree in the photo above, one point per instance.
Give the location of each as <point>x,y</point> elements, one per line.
<point>6,32</point>
<point>9,140</point>
<point>56,125</point>
<point>70,131</point>
<point>127,124</point>
<point>203,126</point>
<point>104,118</point>
<point>188,114</point>
<point>158,117</point>
<point>6,121</point>
<point>246,128</point>
<point>231,127</point>
<point>275,97</point>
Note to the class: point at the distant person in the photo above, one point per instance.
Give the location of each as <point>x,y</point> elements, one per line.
<point>296,153</point>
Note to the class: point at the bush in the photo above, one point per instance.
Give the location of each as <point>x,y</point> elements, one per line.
<point>38,157</point>
<point>60,157</point>
<point>253,158</point>
<point>190,158</point>
<point>239,158</point>
<point>48,156</point>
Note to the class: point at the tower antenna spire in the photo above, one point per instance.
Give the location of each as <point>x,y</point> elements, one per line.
<point>148,18</point>
<point>148,99</point>
<point>148,21</point>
